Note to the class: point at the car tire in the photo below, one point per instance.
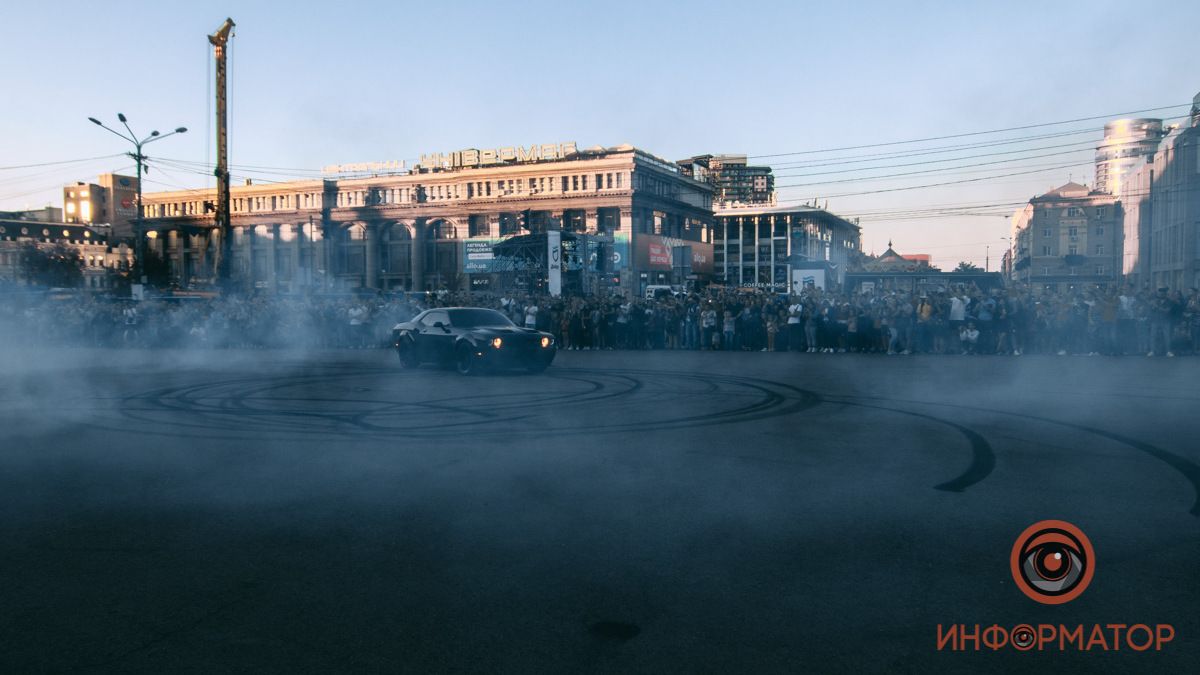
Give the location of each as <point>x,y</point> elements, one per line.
<point>465,361</point>
<point>407,352</point>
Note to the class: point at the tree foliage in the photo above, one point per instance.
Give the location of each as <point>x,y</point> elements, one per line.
<point>59,266</point>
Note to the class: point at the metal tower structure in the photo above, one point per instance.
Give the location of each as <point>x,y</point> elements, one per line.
<point>220,40</point>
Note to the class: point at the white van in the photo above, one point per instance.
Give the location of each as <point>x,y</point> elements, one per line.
<point>659,291</point>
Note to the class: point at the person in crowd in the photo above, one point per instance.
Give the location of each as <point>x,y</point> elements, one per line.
<point>1191,315</point>
<point>708,322</point>
<point>691,325</point>
<point>1163,309</point>
<point>729,331</point>
<point>969,337</point>
<point>795,323</point>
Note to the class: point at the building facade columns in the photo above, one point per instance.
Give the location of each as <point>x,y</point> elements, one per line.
<point>371,254</point>
<point>417,263</point>
<point>273,258</point>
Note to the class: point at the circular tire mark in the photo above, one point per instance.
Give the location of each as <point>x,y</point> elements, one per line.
<point>306,405</point>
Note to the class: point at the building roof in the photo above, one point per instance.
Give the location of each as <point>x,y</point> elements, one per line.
<point>891,261</point>
<point>763,209</point>
<point>890,255</point>
<point>725,210</point>
<point>1071,189</point>
<point>12,229</point>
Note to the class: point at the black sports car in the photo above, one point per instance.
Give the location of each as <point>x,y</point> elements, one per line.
<point>471,339</point>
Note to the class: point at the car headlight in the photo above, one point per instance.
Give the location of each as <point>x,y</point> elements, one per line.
<point>546,342</point>
<point>496,342</point>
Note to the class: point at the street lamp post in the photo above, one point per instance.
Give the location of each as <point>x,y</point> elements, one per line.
<point>140,158</point>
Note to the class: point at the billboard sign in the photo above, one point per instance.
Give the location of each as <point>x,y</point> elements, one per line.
<point>478,256</point>
<point>802,279</point>
<point>654,252</point>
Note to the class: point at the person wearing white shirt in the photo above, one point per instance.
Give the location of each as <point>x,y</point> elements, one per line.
<point>795,326</point>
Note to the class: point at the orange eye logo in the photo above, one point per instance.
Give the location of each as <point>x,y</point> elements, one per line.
<point>1053,562</point>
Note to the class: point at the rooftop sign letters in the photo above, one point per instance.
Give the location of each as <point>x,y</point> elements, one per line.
<point>472,157</point>
<point>365,167</point>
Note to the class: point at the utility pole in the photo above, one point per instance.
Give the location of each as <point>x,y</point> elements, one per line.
<point>220,40</point>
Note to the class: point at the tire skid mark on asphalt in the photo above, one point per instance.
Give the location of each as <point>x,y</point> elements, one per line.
<point>215,405</point>
<point>236,404</point>
<point>1189,469</point>
<point>805,400</point>
<point>245,402</point>
<point>194,400</point>
<point>983,457</point>
<point>597,386</point>
<point>354,418</point>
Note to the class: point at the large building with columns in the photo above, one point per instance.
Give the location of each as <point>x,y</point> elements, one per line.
<point>626,217</point>
<point>779,247</point>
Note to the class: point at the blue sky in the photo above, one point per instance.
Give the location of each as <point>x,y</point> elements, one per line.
<point>320,83</point>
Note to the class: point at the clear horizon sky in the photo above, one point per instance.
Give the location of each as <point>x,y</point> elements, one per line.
<point>313,84</point>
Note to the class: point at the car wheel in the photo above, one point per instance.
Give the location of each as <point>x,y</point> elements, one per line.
<point>407,352</point>
<point>465,360</point>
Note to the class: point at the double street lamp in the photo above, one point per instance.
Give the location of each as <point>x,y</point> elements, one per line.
<point>140,159</point>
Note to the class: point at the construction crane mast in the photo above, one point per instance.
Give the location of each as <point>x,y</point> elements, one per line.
<point>220,40</point>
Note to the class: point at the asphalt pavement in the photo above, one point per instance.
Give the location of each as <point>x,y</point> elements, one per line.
<point>624,512</point>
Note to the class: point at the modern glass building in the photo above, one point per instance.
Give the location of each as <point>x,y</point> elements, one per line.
<point>761,246</point>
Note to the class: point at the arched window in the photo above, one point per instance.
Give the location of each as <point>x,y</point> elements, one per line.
<point>444,230</point>
<point>399,232</point>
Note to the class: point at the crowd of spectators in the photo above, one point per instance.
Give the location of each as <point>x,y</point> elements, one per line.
<point>1016,320</point>
<point>963,321</point>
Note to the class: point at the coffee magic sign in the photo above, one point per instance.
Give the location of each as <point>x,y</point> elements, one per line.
<point>472,157</point>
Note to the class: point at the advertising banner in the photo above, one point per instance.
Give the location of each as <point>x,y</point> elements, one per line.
<point>702,257</point>
<point>478,256</point>
<point>554,260</point>
<point>620,251</point>
<point>654,252</point>
<point>651,252</point>
<point>802,279</point>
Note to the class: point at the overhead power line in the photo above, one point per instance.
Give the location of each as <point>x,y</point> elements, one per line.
<point>942,161</point>
<point>953,182</point>
<point>977,133</point>
<point>65,161</point>
<point>921,152</point>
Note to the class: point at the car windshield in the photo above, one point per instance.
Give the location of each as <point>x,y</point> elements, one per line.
<point>474,318</point>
